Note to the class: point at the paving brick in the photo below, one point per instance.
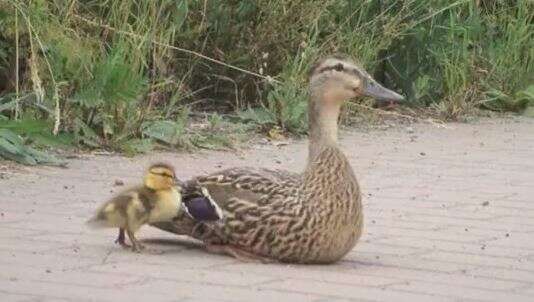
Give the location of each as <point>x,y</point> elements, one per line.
<point>65,290</point>
<point>461,293</point>
<point>350,291</point>
<point>24,297</point>
<point>337,273</point>
<point>528,291</point>
<point>180,273</point>
<point>9,233</point>
<point>89,278</point>
<point>504,273</point>
<point>474,248</point>
<point>415,246</point>
<point>464,278</point>
<point>207,292</point>
<point>480,260</point>
<point>356,259</point>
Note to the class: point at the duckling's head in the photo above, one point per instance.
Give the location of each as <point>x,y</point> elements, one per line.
<point>160,176</point>
<point>336,79</point>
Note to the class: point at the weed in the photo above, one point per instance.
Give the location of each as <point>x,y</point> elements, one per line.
<point>130,75</point>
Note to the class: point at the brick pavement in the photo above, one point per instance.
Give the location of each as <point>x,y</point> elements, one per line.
<point>449,217</point>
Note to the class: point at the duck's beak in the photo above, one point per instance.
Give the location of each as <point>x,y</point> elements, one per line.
<point>375,90</point>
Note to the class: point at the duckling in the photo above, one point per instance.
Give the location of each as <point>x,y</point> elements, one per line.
<point>157,200</point>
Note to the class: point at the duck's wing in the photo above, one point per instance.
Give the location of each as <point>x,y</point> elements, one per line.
<point>251,176</point>
<point>245,195</point>
<point>250,185</point>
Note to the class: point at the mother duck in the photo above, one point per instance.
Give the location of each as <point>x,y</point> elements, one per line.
<point>274,215</point>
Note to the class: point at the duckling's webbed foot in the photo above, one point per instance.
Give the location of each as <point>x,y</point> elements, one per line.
<point>136,246</point>
<point>237,253</point>
<point>121,239</point>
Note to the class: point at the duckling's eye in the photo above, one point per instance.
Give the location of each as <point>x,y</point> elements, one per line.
<point>339,67</point>
<point>169,175</point>
<point>164,174</point>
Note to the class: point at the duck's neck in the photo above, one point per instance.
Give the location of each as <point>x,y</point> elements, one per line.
<point>322,116</point>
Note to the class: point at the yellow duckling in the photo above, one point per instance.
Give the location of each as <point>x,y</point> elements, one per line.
<point>157,200</point>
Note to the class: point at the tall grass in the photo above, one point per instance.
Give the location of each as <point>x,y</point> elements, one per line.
<point>127,74</point>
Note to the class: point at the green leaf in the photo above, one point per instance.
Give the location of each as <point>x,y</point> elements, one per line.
<point>107,126</point>
<point>44,158</point>
<point>12,148</point>
<point>36,131</point>
<point>181,13</point>
<point>85,135</point>
<point>529,111</point>
<point>26,126</point>
<point>136,146</point>
<point>8,105</point>
<point>12,152</point>
<point>527,94</point>
<point>114,81</point>
<point>11,136</point>
<point>260,116</point>
<point>168,132</point>
<point>49,140</point>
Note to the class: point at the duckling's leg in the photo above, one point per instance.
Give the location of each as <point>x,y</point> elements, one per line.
<point>237,253</point>
<point>136,246</point>
<point>121,239</point>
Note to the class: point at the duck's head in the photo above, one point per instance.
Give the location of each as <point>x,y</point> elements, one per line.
<point>160,176</point>
<point>336,79</point>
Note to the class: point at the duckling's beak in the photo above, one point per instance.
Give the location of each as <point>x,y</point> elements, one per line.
<point>375,90</point>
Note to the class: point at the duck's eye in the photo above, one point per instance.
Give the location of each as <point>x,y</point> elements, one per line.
<point>339,67</point>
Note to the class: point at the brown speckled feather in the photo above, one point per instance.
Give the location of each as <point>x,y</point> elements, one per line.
<point>312,217</point>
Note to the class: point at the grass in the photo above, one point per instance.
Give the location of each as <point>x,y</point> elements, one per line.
<point>134,75</point>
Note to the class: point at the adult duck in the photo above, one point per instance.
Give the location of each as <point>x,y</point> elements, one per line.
<point>274,215</point>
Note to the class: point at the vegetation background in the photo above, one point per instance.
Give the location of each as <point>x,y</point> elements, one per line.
<point>134,74</point>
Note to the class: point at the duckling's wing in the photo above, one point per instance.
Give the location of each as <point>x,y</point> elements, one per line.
<point>147,197</point>
<point>112,213</point>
